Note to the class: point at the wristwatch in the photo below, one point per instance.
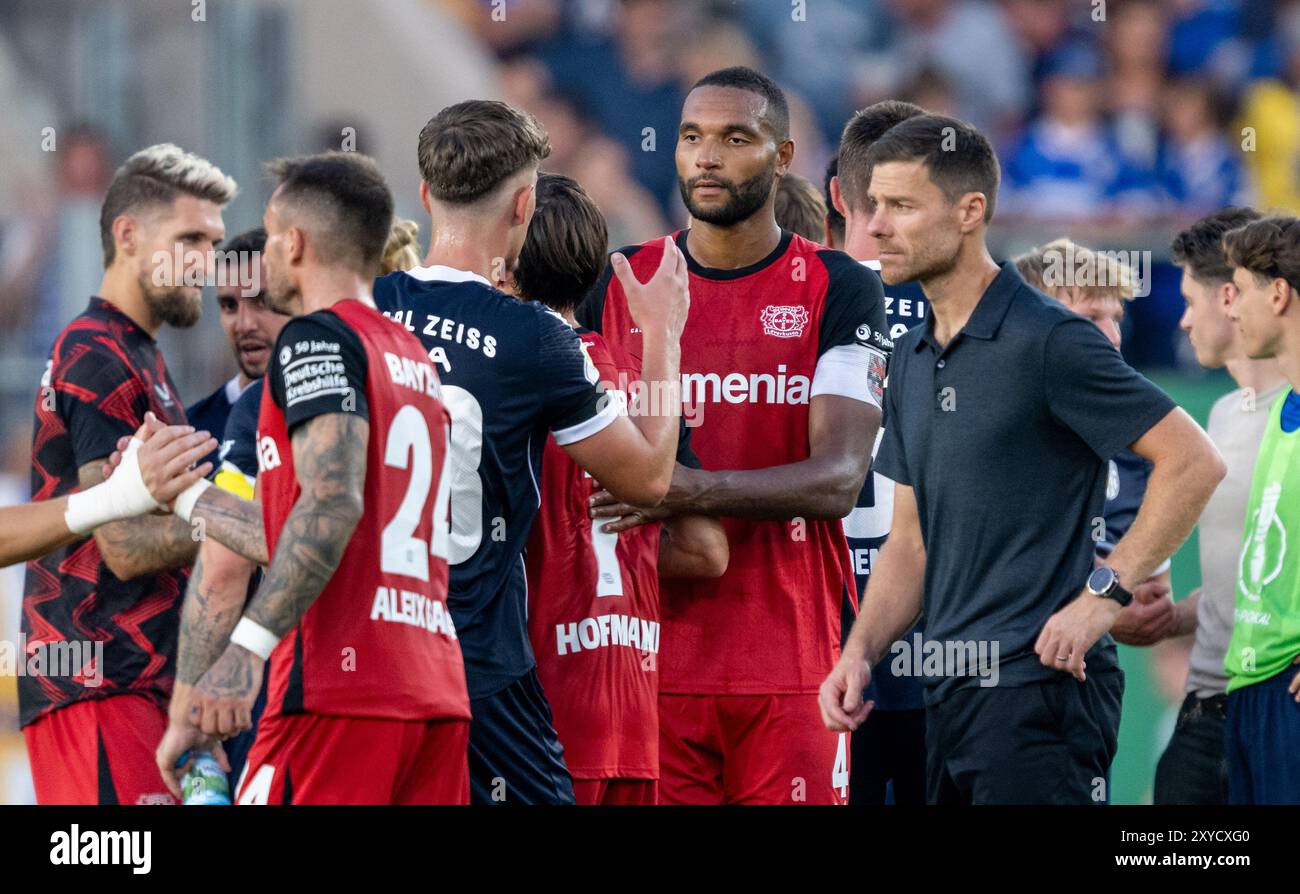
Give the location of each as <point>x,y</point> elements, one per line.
<point>1104,582</point>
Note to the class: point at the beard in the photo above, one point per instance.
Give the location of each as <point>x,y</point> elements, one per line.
<point>171,305</point>
<point>744,198</point>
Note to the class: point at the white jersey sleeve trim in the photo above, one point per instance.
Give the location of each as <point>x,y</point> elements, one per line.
<point>845,371</point>
<point>612,406</point>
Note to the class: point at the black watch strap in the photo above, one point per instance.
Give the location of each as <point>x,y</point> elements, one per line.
<point>1119,594</point>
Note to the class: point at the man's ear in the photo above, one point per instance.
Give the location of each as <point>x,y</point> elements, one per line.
<point>837,197</point>
<point>972,206</point>
<point>521,215</point>
<point>424,198</point>
<point>1226,294</point>
<point>126,235</point>
<point>295,244</point>
<point>784,157</point>
<point>1283,295</point>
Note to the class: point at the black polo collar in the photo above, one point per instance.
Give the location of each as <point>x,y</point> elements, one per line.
<point>987,317</point>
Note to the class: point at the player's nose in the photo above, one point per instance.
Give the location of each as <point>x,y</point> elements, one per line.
<point>246,322</point>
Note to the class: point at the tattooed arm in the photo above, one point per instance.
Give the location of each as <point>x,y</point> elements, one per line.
<point>217,589</point>
<point>144,545</point>
<point>234,523</point>
<point>329,454</point>
<point>231,521</point>
<point>213,603</point>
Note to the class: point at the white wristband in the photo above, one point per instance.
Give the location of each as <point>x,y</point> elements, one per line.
<point>185,503</point>
<point>123,495</point>
<point>255,638</point>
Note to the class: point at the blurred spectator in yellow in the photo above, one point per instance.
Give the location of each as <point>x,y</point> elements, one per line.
<point>1269,125</point>
<point>800,207</point>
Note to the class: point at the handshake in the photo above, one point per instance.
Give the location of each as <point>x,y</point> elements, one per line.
<point>155,470</point>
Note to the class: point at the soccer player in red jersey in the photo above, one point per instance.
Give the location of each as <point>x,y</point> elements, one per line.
<point>366,699</point>
<point>783,362</point>
<point>91,730</point>
<point>593,597</point>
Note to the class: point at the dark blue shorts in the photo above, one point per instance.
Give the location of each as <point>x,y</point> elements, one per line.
<point>1262,742</point>
<point>515,756</point>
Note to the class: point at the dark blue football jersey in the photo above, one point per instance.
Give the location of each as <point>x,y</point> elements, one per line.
<point>867,526</point>
<point>210,415</point>
<point>511,373</point>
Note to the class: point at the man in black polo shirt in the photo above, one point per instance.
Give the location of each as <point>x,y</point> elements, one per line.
<point>1001,414</point>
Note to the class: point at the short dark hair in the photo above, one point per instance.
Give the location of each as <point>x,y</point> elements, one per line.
<point>1269,248</point>
<point>777,113</point>
<point>863,130</point>
<point>957,157</point>
<point>799,207</point>
<point>157,176</point>
<point>564,251</point>
<point>469,149</point>
<point>247,241</point>
<point>1199,248</point>
<point>346,193</point>
<point>834,220</point>
<point>239,246</point>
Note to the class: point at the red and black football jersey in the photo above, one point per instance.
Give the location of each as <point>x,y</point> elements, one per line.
<point>379,640</point>
<point>593,617</point>
<point>105,373</point>
<point>760,342</point>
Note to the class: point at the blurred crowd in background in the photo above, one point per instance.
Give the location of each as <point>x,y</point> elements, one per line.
<point>1127,111</point>
<point>1117,122</point>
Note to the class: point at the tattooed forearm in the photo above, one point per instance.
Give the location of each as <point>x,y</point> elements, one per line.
<point>144,545</point>
<point>213,604</point>
<point>234,523</point>
<point>235,675</point>
<point>329,454</point>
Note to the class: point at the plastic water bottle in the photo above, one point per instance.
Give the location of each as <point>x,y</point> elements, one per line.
<point>205,782</point>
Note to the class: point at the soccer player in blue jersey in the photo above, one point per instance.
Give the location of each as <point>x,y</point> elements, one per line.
<point>252,327</point>
<point>512,372</point>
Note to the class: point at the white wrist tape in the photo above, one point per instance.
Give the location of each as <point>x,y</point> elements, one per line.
<point>185,503</point>
<point>123,495</point>
<point>255,638</point>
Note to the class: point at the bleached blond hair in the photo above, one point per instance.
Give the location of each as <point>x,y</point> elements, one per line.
<point>156,176</point>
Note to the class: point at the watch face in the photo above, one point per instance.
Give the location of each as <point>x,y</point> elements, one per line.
<point>1101,580</point>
